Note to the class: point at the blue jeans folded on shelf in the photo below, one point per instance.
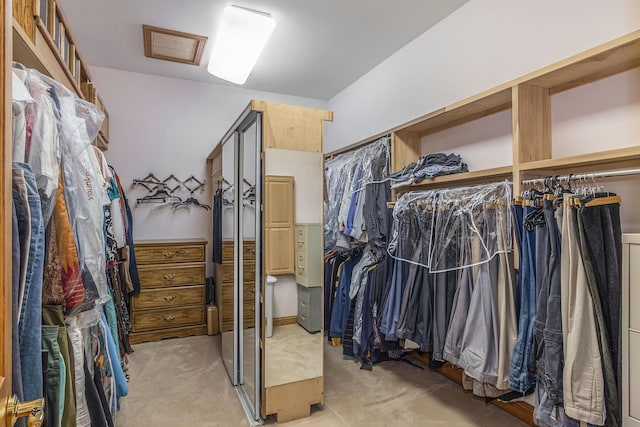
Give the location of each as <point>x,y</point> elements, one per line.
<point>430,166</point>
<point>31,239</point>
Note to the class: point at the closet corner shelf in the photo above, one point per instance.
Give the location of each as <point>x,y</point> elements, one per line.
<point>483,104</point>
<point>616,56</point>
<point>610,159</point>
<point>466,178</point>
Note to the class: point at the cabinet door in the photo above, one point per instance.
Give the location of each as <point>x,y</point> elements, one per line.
<point>279,221</point>
<point>279,250</point>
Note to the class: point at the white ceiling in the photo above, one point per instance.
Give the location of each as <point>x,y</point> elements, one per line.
<point>318,47</point>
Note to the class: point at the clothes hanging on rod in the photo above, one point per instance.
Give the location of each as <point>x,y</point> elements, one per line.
<point>357,191</point>
<point>569,301</point>
<point>71,226</point>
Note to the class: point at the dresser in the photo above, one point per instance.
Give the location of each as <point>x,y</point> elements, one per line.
<point>308,256</point>
<point>171,302</point>
<point>630,330</point>
<point>223,274</point>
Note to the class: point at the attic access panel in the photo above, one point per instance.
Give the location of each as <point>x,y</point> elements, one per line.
<point>171,45</point>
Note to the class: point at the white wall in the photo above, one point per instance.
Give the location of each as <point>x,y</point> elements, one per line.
<point>486,43</point>
<point>481,45</point>
<point>169,126</point>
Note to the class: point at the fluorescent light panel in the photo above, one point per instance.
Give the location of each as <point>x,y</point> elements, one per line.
<point>242,35</point>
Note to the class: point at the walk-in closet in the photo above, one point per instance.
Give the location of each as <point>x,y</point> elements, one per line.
<point>242,213</point>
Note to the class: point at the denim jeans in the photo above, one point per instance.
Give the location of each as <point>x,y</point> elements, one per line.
<point>31,236</point>
<point>519,377</point>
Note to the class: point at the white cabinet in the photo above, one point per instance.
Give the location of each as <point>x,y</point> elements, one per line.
<point>630,330</point>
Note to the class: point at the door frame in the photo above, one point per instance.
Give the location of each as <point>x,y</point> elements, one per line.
<point>6,60</point>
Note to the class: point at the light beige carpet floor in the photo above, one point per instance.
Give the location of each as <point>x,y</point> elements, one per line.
<point>182,382</point>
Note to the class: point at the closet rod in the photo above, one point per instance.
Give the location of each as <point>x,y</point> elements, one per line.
<point>591,175</point>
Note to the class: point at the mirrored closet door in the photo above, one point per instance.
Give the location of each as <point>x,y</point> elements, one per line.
<point>249,262</point>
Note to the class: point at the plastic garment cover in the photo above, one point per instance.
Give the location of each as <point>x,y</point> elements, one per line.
<point>452,220</point>
<point>346,177</point>
<point>20,97</point>
<point>76,340</point>
<point>94,332</point>
<point>85,194</point>
<point>43,143</point>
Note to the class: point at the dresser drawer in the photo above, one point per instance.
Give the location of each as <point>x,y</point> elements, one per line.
<point>168,297</point>
<point>248,312</point>
<point>168,318</point>
<point>227,292</point>
<point>170,275</point>
<point>248,251</point>
<point>163,254</point>
<point>249,272</point>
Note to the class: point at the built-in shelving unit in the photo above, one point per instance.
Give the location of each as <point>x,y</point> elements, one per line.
<point>529,99</point>
<point>42,40</point>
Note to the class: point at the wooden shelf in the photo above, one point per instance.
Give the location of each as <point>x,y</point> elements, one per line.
<point>34,47</point>
<point>601,160</point>
<point>39,56</point>
<point>614,57</point>
<point>482,105</point>
<point>466,178</point>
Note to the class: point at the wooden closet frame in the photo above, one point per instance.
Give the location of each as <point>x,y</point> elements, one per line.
<point>286,127</point>
<point>529,98</point>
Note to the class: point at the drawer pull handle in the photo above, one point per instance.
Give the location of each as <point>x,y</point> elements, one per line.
<point>169,318</point>
<point>169,276</point>
<point>168,254</point>
<point>169,297</point>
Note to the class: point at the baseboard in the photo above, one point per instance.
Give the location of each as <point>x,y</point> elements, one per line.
<point>282,321</point>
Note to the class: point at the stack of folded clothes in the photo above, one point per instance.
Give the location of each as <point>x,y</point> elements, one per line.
<point>428,167</point>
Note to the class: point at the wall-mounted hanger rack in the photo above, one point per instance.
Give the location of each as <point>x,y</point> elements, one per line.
<point>163,191</point>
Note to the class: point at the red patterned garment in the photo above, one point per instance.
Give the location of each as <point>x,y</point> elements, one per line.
<point>68,252</point>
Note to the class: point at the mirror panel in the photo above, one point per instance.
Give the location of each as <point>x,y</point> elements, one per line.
<point>249,142</point>
<point>293,351</point>
<point>229,340</point>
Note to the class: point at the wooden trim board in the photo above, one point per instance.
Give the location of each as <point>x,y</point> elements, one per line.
<point>293,401</point>
<point>286,320</point>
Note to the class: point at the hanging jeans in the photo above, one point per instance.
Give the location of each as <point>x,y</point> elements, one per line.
<point>600,235</point>
<point>31,232</point>
<point>583,384</point>
<point>520,378</point>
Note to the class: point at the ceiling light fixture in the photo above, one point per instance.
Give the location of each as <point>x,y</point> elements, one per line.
<point>242,35</point>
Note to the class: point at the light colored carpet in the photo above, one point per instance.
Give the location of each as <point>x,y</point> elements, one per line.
<point>182,382</point>
<point>292,354</point>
